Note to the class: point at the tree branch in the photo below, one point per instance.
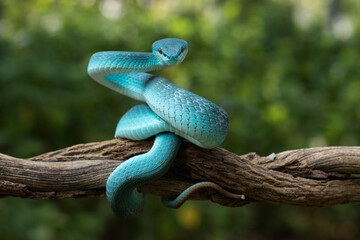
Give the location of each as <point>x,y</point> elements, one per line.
<point>305,177</point>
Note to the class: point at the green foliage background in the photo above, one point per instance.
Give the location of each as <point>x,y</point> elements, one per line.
<point>287,72</point>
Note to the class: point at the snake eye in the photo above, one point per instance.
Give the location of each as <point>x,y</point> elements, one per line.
<point>182,50</point>
<point>161,52</point>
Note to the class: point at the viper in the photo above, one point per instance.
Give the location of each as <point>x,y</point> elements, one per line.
<point>169,112</point>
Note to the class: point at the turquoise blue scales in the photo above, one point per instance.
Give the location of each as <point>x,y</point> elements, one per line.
<point>169,112</point>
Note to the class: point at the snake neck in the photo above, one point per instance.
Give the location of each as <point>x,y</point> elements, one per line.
<point>117,62</point>
<point>124,71</point>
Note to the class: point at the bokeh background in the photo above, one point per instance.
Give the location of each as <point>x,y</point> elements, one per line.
<point>287,72</point>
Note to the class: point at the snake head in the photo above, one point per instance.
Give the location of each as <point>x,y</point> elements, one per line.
<point>170,51</point>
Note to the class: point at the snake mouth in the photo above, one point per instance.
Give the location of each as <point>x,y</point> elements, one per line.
<point>170,60</point>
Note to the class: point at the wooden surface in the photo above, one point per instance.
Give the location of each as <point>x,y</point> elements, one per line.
<point>305,177</point>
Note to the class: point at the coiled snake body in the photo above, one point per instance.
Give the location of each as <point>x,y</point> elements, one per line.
<point>169,112</point>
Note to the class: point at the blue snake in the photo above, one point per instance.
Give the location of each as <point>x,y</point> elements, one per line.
<point>169,112</point>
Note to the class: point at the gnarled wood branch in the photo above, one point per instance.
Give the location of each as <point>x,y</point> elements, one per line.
<point>305,177</point>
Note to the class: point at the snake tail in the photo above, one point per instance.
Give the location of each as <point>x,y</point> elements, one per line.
<point>121,185</point>
<point>185,195</point>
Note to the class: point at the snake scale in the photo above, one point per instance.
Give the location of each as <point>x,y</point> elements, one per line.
<point>170,112</point>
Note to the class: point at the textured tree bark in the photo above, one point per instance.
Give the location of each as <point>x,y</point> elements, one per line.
<point>305,177</point>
